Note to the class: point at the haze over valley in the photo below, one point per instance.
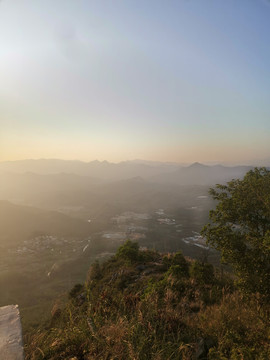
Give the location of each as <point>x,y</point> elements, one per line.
<point>57,217</point>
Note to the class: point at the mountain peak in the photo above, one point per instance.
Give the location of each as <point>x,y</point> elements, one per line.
<point>197,165</point>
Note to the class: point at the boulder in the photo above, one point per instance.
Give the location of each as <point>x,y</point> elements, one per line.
<point>11,344</point>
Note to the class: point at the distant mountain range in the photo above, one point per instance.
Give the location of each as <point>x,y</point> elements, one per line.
<point>199,174</point>
<point>80,174</point>
<point>97,169</point>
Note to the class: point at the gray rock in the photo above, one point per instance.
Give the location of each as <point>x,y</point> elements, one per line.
<point>11,345</point>
<point>202,348</point>
<point>200,352</point>
<point>140,267</point>
<point>149,271</point>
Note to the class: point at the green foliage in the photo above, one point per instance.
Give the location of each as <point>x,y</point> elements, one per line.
<point>176,264</point>
<point>155,287</point>
<point>240,229</point>
<point>167,262</point>
<point>129,251</point>
<point>94,272</point>
<point>202,272</point>
<point>176,270</point>
<point>180,265</point>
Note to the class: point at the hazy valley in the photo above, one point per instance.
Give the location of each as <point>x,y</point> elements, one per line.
<point>57,217</point>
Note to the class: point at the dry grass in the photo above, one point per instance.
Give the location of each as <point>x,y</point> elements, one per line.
<point>129,315</point>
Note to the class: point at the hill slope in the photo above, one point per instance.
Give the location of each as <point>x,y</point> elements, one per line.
<point>144,305</point>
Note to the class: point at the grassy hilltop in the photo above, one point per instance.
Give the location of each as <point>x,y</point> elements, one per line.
<point>141,304</point>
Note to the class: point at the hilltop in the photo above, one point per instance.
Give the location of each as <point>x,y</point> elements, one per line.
<point>141,304</point>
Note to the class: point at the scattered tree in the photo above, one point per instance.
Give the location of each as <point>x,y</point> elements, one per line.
<point>240,228</point>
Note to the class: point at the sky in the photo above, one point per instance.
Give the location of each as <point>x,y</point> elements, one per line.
<point>182,81</point>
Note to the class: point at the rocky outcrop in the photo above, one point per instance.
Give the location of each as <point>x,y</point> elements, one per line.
<point>11,345</point>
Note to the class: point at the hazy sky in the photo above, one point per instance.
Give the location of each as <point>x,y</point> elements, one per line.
<point>185,80</point>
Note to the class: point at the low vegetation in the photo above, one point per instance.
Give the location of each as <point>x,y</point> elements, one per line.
<point>141,304</point>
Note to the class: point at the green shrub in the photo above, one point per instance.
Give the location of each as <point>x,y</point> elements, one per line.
<point>129,251</point>
<point>180,264</point>
<point>94,272</point>
<point>202,272</point>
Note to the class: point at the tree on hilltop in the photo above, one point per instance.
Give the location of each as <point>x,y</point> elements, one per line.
<point>240,228</point>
